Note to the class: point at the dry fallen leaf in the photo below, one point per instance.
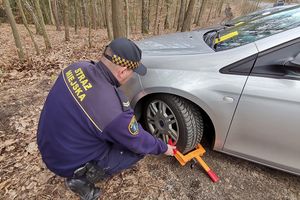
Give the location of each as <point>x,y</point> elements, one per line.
<point>31,148</point>
<point>3,184</point>
<point>7,143</point>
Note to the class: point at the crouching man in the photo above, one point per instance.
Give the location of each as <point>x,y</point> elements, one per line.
<point>87,131</point>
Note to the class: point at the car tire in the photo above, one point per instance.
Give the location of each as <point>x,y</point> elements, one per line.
<point>168,116</point>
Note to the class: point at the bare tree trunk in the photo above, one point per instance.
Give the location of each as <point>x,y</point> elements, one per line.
<point>76,16</point>
<point>84,13</point>
<point>45,12</point>
<point>34,17</point>
<point>220,8</point>
<point>176,14</point>
<point>244,7</point>
<point>19,4</point>
<point>188,16</point>
<point>55,14</point>
<point>134,15</point>
<point>167,19</point>
<point>14,29</point>
<point>145,16</point>
<point>118,18</point>
<point>102,8</point>
<point>51,13</point>
<point>211,6</point>
<point>90,10</point>
<point>127,18</point>
<point>197,11</point>
<point>93,15</point>
<point>201,12</point>
<point>108,19</point>
<point>156,16</point>
<point>80,16</point>
<point>66,20</point>
<point>101,16</point>
<point>181,14</point>
<point>159,17</point>
<point>42,24</point>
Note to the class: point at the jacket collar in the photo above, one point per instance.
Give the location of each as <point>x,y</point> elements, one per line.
<point>107,74</point>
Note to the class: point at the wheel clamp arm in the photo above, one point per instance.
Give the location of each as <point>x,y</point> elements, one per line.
<point>195,154</point>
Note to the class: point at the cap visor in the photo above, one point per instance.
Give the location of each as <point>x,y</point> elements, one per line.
<point>141,70</point>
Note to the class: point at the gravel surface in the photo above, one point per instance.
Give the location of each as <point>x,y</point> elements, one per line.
<point>239,179</point>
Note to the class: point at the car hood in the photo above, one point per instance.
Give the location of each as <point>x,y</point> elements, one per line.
<point>175,44</point>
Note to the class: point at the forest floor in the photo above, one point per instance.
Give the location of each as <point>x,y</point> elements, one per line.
<point>24,87</point>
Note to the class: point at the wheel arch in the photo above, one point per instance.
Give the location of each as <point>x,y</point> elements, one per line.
<point>139,100</point>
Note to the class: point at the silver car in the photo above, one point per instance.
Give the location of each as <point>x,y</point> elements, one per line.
<point>239,86</point>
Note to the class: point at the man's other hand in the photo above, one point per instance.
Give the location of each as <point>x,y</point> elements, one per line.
<point>170,151</point>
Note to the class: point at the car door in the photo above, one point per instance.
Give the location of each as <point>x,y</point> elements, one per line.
<point>266,124</point>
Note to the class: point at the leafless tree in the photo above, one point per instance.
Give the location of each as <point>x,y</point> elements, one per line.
<point>127,18</point>
<point>32,12</point>
<point>201,12</point>
<point>118,18</point>
<point>51,13</point>
<point>15,31</point>
<point>108,19</point>
<point>19,4</point>
<point>159,6</point>
<point>145,16</point>
<point>90,8</point>
<point>42,24</point>
<point>66,20</point>
<point>188,16</point>
<point>55,14</point>
<point>181,14</point>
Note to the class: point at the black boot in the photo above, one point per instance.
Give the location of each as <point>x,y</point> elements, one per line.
<point>85,189</point>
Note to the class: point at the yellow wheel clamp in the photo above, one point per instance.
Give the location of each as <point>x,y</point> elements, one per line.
<point>195,154</point>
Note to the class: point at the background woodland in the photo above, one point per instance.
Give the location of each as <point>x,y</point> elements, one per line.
<point>38,38</point>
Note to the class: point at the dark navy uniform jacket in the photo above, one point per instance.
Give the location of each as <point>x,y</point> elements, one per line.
<point>85,115</point>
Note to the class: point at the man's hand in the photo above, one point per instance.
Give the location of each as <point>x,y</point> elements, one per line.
<point>170,151</point>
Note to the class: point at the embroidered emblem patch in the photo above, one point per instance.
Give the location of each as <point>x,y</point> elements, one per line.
<point>133,126</point>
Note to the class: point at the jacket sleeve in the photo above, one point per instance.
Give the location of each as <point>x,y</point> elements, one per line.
<point>126,131</point>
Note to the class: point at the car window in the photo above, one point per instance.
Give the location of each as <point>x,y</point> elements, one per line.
<point>257,29</point>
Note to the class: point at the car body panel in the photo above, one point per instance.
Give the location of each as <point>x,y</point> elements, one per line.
<point>197,75</point>
<point>183,43</point>
<point>269,136</point>
<point>255,115</point>
<point>274,96</point>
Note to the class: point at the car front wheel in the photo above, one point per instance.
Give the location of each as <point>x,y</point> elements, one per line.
<point>171,117</point>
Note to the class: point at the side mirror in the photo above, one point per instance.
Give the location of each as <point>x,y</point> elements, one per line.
<point>293,67</point>
<point>294,63</point>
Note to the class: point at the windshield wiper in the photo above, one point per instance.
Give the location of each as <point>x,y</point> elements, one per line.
<point>215,34</point>
<point>228,24</point>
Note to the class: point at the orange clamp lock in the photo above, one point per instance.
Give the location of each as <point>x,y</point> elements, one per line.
<point>197,153</point>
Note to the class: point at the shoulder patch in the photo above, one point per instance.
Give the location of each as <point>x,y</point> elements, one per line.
<point>125,104</point>
<point>133,126</point>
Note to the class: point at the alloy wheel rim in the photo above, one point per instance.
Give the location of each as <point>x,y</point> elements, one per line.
<point>162,121</point>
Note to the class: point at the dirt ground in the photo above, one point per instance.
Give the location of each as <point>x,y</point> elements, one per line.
<point>24,88</point>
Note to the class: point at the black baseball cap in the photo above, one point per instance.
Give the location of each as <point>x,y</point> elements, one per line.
<point>127,54</point>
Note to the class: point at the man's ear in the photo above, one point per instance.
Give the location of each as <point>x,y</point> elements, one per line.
<point>122,73</point>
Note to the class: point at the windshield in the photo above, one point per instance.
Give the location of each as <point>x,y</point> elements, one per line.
<point>254,30</point>
<point>257,14</point>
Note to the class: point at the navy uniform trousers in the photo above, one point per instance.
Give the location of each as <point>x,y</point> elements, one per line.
<point>118,160</point>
